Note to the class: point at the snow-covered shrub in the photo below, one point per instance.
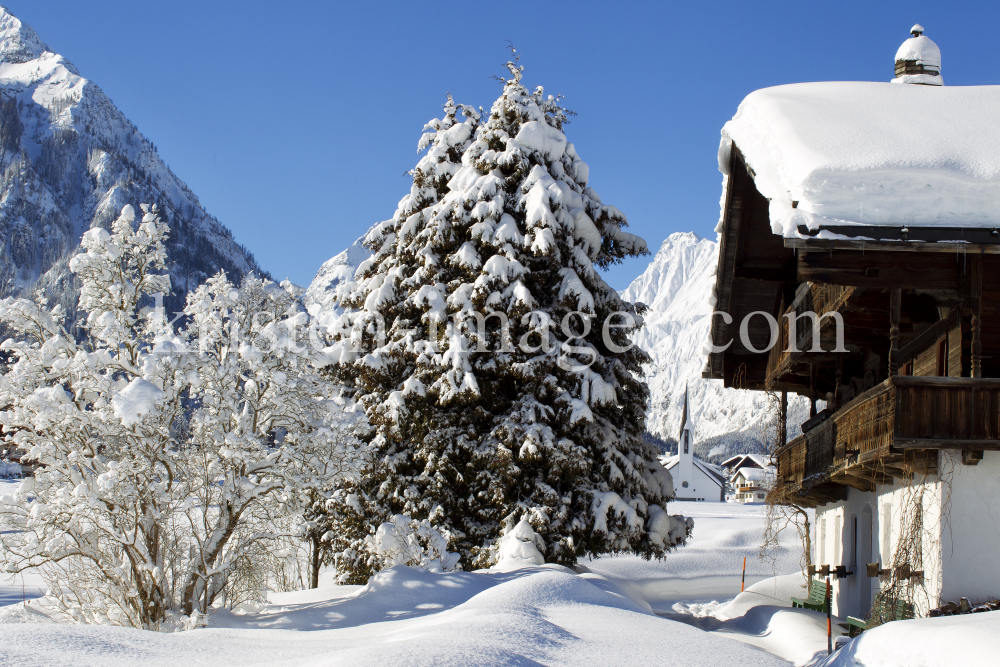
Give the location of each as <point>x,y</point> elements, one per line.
<point>476,422</point>
<point>520,547</point>
<point>403,541</point>
<point>160,471</point>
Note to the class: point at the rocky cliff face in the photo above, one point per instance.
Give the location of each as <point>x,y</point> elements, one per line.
<point>69,160</point>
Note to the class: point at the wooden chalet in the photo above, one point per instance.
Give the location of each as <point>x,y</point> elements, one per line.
<point>921,370</point>
<point>911,394</point>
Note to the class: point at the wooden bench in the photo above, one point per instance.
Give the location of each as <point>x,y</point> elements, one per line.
<point>817,596</point>
<point>882,612</point>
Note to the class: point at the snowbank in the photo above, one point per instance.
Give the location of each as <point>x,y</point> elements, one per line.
<point>775,592</point>
<point>15,588</point>
<point>796,635</point>
<point>972,639</point>
<point>872,153</point>
<point>541,615</point>
<point>762,617</point>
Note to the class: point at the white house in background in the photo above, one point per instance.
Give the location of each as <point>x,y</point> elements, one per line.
<point>694,479</point>
<point>749,475</point>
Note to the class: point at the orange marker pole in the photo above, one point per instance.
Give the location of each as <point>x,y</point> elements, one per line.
<point>829,625</point>
<point>744,582</point>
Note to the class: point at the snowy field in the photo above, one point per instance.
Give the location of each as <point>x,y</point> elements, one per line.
<point>709,568</point>
<point>685,611</point>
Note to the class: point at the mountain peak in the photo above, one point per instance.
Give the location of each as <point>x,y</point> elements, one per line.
<point>71,160</point>
<point>677,287</point>
<point>19,43</point>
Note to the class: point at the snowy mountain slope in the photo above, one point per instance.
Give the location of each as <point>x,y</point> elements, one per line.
<point>336,270</point>
<point>69,159</point>
<point>676,287</point>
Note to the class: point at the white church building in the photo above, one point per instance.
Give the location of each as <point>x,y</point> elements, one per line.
<point>693,478</point>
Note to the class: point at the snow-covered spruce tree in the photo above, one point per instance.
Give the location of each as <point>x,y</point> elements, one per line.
<point>159,468</point>
<point>348,531</point>
<point>476,423</point>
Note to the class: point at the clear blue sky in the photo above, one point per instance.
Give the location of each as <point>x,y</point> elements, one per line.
<point>294,122</point>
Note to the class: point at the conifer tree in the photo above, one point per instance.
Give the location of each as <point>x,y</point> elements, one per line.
<point>493,361</point>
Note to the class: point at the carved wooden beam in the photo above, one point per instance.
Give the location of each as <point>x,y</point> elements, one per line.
<point>947,443</point>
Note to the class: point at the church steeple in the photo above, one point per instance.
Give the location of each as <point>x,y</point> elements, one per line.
<point>687,431</point>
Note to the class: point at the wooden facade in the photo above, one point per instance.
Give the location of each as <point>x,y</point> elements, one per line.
<point>919,366</point>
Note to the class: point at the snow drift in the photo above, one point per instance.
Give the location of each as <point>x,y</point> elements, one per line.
<point>541,615</point>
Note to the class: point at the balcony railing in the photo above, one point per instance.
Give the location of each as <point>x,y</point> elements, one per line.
<point>811,297</point>
<point>941,413</point>
<point>897,422</point>
<point>865,426</point>
<point>807,458</point>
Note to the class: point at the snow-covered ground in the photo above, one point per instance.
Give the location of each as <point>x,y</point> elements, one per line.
<point>544,615</point>
<point>709,568</point>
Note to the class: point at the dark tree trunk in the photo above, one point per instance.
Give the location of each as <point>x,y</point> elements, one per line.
<point>315,562</point>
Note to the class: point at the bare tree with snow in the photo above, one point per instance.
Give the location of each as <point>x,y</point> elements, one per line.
<point>160,466</point>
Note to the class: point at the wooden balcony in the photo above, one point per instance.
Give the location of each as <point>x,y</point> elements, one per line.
<point>893,430</point>
<point>811,297</point>
<point>804,466</point>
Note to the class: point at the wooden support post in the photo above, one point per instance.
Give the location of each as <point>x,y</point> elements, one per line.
<point>977,306</point>
<point>812,390</point>
<point>895,298</point>
<point>783,426</point>
<point>838,379</point>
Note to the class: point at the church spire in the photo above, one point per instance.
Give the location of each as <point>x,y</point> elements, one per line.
<point>685,421</point>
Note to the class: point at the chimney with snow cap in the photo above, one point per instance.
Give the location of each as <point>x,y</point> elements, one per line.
<point>918,60</point>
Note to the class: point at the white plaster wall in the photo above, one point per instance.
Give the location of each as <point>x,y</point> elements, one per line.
<point>846,591</point>
<point>901,496</point>
<point>849,597</point>
<point>960,539</point>
<point>971,536</point>
<point>700,485</point>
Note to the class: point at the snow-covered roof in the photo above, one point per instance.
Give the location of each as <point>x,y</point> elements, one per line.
<point>742,460</point>
<point>750,474</point>
<point>845,153</point>
<point>712,471</point>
